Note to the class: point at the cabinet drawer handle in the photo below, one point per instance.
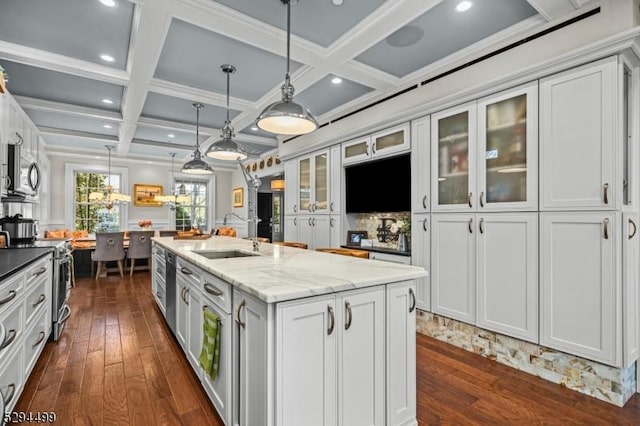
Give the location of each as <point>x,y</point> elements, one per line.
<point>331,206</point>
<point>331,222</point>
<point>238,320</point>
<point>11,336</point>
<point>349,315</point>
<point>635,228</point>
<point>332,320</point>
<point>424,202</point>
<point>481,225</point>
<point>40,271</point>
<point>471,226</point>
<point>482,199</point>
<point>8,399</point>
<point>158,252</point>
<point>182,294</point>
<point>186,271</point>
<point>606,229</point>
<point>186,294</point>
<point>424,224</point>
<point>39,301</point>
<point>295,221</point>
<point>413,300</point>
<point>309,221</point>
<point>295,208</point>
<point>40,339</point>
<point>9,298</point>
<point>212,290</point>
<point>310,208</point>
<point>606,193</point>
<point>469,200</point>
<point>159,294</point>
<point>373,147</point>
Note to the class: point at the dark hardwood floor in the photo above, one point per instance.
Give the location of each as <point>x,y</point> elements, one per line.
<point>117,363</point>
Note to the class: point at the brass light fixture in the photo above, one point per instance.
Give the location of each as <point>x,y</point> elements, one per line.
<point>286,117</point>
<point>277,184</point>
<point>197,166</point>
<point>178,197</point>
<point>226,148</point>
<point>109,198</point>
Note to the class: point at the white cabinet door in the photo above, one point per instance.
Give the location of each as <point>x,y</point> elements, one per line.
<point>577,138</point>
<point>390,141</point>
<point>321,182</point>
<point>579,288</point>
<point>630,280</point>
<point>291,228</point>
<point>507,274</point>
<point>335,230</point>
<point>361,357</point>
<point>321,231</point>
<point>182,312</point>
<point>291,187</point>
<point>356,150</point>
<point>305,230</point>
<point>420,256</point>
<point>305,185</point>
<point>335,180</point>
<point>401,354</point>
<point>453,270</point>
<point>508,150</point>
<point>195,333</point>
<point>420,172</point>
<point>253,363</point>
<point>306,362</point>
<point>453,159</point>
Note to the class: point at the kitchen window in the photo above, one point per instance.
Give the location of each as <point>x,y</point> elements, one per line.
<point>195,214</point>
<point>90,215</point>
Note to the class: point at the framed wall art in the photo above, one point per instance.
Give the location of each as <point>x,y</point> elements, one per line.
<point>144,195</point>
<point>238,197</point>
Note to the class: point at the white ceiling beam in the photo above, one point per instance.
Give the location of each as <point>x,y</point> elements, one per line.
<point>60,63</point>
<point>167,145</point>
<point>70,109</point>
<point>78,134</point>
<point>148,35</point>
<point>552,9</point>
<point>182,91</point>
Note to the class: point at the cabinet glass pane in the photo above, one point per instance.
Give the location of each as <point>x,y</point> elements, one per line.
<point>453,159</point>
<point>321,181</point>
<point>305,183</point>
<point>356,149</point>
<point>388,141</point>
<point>506,155</point>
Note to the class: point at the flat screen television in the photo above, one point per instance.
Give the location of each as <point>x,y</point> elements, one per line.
<point>382,186</point>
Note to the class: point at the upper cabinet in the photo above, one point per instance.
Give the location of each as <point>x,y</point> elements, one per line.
<point>421,137</point>
<point>484,155</point>
<point>313,183</point>
<point>584,138</point>
<point>291,187</point>
<point>377,145</point>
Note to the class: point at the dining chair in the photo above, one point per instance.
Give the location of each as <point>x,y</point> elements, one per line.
<point>291,244</point>
<point>167,233</point>
<point>363,254</point>
<point>227,231</point>
<point>139,247</point>
<point>109,248</point>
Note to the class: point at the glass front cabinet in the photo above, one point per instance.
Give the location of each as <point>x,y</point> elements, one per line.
<point>484,154</point>
<point>313,183</point>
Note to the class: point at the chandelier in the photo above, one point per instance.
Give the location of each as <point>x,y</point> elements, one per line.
<point>109,197</point>
<point>178,197</point>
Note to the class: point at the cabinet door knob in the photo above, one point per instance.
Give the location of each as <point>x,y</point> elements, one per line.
<point>238,320</point>
<point>349,315</point>
<point>332,320</point>
<point>482,199</point>
<point>471,226</point>
<point>413,300</point>
<point>424,224</point>
<point>606,229</point>
<point>635,228</point>
<point>469,200</point>
<point>481,225</point>
<point>606,193</point>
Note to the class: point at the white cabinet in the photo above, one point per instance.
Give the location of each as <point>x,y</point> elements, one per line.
<point>291,228</point>
<point>507,274</point>
<point>630,294</point>
<point>579,291</point>
<point>291,187</point>
<point>315,231</point>
<point>579,145</point>
<point>182,311</point>
<point>313,183</point>
<point>195,321</point>
<point>335,180</point>
<point>336,236</point>
<point>381,144</point>
<point>319,338</point>
<point>158,277</point>
<point>453,271</point>
<point>421,256</point>
<point>401,354</point>
<point>420,165</point>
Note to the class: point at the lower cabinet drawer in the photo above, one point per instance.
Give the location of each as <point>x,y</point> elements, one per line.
<point>11,383</point>
<point>11,327</point>
<point>217,291</point>
<point>161,297</point>
<point>35,339</point>
<point>11,290</point>
<point>36,299</point>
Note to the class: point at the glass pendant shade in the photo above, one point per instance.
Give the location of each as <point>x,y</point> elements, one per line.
<point>286,117</point>
<point>108,197</point>
<point>178,197</point>
<point>197,166</point>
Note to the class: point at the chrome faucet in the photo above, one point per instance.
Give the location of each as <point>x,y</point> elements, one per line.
<point>226,217</point>
<point>254,239</point>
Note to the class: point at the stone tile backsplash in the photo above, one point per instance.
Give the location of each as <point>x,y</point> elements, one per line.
<point>610,384</point>
<point>370,221</point>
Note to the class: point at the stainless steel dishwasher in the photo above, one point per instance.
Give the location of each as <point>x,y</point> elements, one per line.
<point>170,260</point>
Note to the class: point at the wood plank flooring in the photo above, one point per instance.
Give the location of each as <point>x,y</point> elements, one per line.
<point>117,363</point>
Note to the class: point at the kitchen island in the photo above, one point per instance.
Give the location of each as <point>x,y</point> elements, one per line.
<point>305,337</point>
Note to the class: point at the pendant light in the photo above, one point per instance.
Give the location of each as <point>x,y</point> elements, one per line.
<point>197,166</point>
<point>286,117</point>
<point>177,197</point>
<point>108,197</point>
<point>226,148</point>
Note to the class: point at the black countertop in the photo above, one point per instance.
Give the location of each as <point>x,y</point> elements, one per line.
<point>12,260</point>
<point>381,250</point>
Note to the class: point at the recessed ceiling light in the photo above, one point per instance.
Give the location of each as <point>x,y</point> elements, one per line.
<point>107,58</point>
<point>336,80</point>
<point>405,36</point>
<point>254,128</point>
<point>337,2</point>
<point>464,5</point>
<point>171,135</point>
<point>110,3</point>
<point>149,162</point>
<point>107,101</point>
<point>97,157</point>
<point>107,126</point>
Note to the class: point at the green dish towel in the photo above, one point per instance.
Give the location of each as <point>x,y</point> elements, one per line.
<point>210,353</point>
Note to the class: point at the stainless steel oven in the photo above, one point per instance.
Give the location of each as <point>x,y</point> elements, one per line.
<point>61,288</point>
<point>23,174</point>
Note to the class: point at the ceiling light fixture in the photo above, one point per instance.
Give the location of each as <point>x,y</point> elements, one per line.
<point>336,80</point>
<point>107,58</point>
<point>107,101</point>
<point>337,2</point>
<point>226,148</point>
<point>110,3</point>
<point>464,5</point>
<point>109,197</point>
<point>197,166</point>
<point>286,117</point>
<point>171,135</point>
<point>254,128</point>
<point>107,126</point>
<point>178,197</point>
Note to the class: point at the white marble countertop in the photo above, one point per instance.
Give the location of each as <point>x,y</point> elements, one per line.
<point>284,273</point>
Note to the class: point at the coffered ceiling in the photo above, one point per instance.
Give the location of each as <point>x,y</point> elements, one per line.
<point>164,55</point>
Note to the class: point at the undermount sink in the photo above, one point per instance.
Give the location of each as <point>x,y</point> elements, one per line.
<point>209,254</point>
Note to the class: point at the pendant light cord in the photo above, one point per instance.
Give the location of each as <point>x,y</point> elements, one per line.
<point>228,121</point>
<point>198,128</point>
<point>288,35</point>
